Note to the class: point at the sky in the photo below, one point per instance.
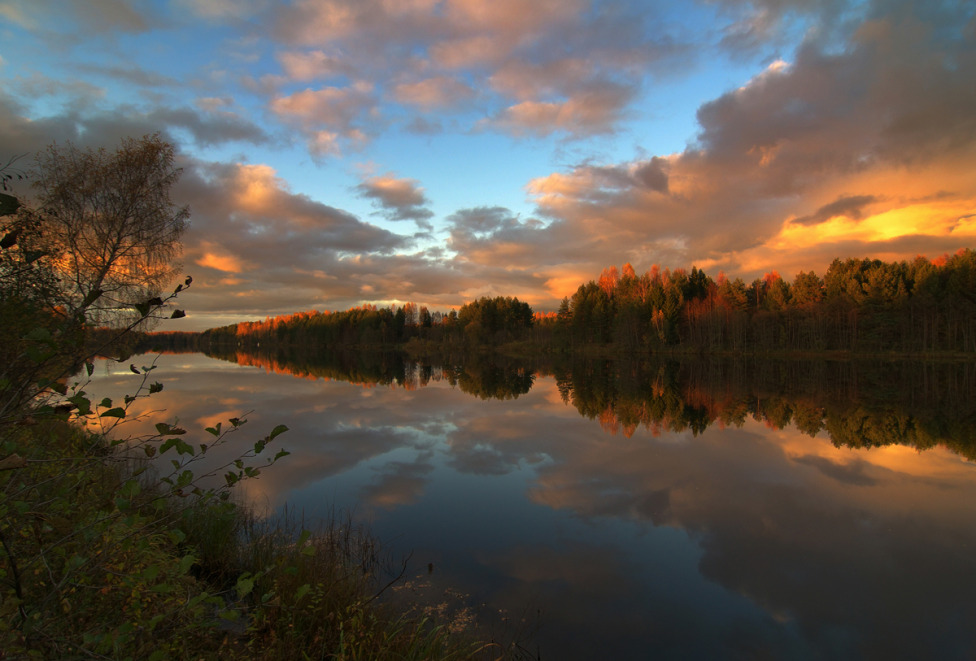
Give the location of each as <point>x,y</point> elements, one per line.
<point>342,152</point>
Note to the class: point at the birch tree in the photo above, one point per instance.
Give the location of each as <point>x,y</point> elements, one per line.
<point>117,228</point>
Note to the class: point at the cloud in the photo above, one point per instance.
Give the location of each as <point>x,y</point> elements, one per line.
<point>552,66</point>
<point>223,9</point>
<point>334,107</point>
<point>313,65</point>
<point>850,206</point>
<point>596,110</point>
<point>210,128</point>
<point>315,22</point>
<point>212,256</point>
<point>757,25</point>
<point>398,199</point>
<point>97,16</point>
<point>855,473</point>
<point>85,122</point>
<point>130,74</point>
<point>400,483</point>
<point>467,51</point>
<point>286,251</point>
<point>768,183</point>
<point>431,93</point>
<point>330,116</point>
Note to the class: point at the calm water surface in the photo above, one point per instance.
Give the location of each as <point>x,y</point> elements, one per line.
<point>597,538</point>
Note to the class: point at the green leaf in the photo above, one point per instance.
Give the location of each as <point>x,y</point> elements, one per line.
<point>106,403</point>
<point>117,412</point>
<point>177,314</point>
<point>89,367</point>
<point>302,591</point>
<point>130,489</point>
<point>82,402</point>
<point>185,478</point>
<point>215,430</point>
<point>155,387</point>
<point>277,431</point>
<point>244,585</point>
<point>186,562</point>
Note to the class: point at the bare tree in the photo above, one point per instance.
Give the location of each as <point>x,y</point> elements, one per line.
<point>112,217</point>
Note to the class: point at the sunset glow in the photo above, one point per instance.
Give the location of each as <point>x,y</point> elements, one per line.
<point>342,152</point>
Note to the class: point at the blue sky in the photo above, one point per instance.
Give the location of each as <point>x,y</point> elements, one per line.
<point>339,152</point>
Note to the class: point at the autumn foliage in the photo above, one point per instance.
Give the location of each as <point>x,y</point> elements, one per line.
<point>859,305</point>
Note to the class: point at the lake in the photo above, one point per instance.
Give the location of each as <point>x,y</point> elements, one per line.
<point>596,510</point>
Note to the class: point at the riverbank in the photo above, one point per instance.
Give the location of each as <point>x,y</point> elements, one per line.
<point>105,556</point>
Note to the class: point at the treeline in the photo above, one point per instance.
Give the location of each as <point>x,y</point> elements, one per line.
<point>482,322</point>
<point>859,305</point>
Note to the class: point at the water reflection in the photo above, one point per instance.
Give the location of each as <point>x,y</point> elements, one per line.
<point>733,510</point>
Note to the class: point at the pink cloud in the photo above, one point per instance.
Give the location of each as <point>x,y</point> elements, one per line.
<point>431,93</point>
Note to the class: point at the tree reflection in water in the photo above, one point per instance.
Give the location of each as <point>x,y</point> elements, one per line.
<point>859,404</point>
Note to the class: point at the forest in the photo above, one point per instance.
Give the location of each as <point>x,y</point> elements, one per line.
<point>858,306</point>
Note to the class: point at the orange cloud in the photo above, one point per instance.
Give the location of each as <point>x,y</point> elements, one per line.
<point>311,65</point>
<point>225,263</point>
<point>511,15</point>
<point>587,111</point>
<point>467,51</point>
<point>330,106</point>
<point>441,91</point>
